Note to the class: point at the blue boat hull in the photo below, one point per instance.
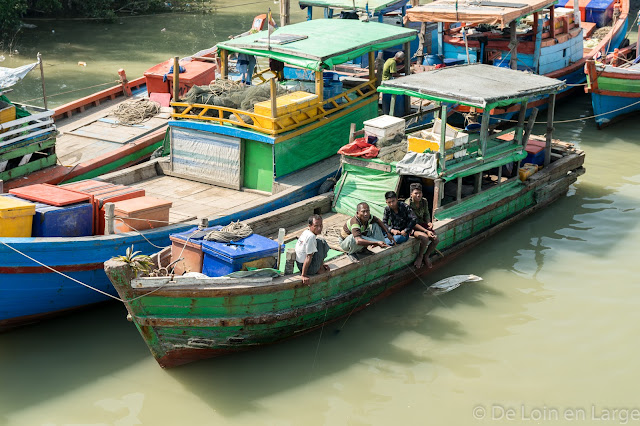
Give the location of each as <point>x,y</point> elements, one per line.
<point>609,108</point>
<point>29,291</point>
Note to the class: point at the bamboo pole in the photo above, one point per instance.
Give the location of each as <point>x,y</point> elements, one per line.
<point>44,92</point>
<point>319,86</point>
<point>176,79</point>
<point>224,64</point>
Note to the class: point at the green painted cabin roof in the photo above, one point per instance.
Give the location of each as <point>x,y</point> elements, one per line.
<point>372,5</point>
<point>329,42</point>
<point>475,85</point>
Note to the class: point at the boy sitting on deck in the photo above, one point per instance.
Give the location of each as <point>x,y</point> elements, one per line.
<point>420,207</point>
<point>403,223</point>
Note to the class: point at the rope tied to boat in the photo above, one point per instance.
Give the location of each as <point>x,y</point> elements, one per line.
<point>232,232</point>
<point>135,111</point>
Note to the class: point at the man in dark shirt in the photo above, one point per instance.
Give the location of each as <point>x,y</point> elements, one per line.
<point>402,223</point>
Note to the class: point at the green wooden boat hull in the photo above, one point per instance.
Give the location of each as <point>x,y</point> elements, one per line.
<point>184,325</point>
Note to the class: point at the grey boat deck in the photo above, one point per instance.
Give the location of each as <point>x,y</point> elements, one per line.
<point>95,132</point>
<point>192,199</point>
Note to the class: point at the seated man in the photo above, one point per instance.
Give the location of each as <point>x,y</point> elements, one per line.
<point>363,230</point>
<point>311,250</point>
<point>402,222</point>
<point>420,207</point>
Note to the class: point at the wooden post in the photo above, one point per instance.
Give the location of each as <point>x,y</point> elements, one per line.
<point>443,135</point>
<point>352,131</point>
<point>224,64</point>
<point>392,107</point>
<point>440,38</point>
<point>592,74</point>
<point>576,14</point>
<point>520,127</point>
<point>176,79</point>
<point>459,190</point>
<point>551,101</point>
<point>484,130</point>
<point>44,92</point>
<point>285,7</point>
<point>437,196</point>
<point>407,71</point>
<point>109,218</point>
<point>125,83</point>
<point>530,123</point>
<point>1,186</point>
<point>319,86</point>
<point>513,45</point>
<point>552,22</point>
<point>274,94</point>
<point>372,67</point>
<point>477,183</point>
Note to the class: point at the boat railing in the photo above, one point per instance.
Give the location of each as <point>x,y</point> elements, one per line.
<point>38,123</point>
<point>280,123</point>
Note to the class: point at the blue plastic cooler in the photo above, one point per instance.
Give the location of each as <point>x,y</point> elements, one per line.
<point>222,258</point>
<point>74,220</point>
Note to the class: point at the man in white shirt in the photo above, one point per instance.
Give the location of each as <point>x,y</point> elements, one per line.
<point>311,250</point>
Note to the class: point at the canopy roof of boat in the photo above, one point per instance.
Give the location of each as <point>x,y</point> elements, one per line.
<point>321,43</point>
<point>476,85</point>
<point>495,12</point>
<point>373,6</point>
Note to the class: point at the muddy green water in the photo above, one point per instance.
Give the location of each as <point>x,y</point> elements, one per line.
<point>549,337</point>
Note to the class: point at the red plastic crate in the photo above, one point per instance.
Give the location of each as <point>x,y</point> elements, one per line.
<point>50,194</point>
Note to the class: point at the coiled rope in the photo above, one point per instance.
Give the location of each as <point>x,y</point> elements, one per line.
<point>232,232</point>
<point>135,111</point>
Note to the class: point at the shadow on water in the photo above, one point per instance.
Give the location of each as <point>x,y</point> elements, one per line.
<point>65,354</point>
<point>235,384</point>
<point>48,359</point>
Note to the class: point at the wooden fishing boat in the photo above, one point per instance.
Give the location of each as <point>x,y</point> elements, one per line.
<point>225,164</point>
<point>183,319</point>
<point>614,85</point>
<point>536,36</point>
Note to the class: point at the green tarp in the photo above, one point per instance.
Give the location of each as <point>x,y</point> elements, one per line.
<point>358,184</point>
<point>328,42</point>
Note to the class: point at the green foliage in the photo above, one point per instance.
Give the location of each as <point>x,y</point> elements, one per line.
<point>11,12</point>
<point>140,263</point>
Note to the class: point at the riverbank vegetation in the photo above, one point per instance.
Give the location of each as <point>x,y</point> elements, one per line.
<point>14,13</point>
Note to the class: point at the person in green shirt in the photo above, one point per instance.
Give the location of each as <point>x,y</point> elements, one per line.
<point>420,207</point>
<point>390,69</point>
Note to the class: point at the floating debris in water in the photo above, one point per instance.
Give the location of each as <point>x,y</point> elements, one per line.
<point>82,64</point>
<point>451,283</point>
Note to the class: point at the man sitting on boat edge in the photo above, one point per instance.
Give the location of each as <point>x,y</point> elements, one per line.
<point>420,207</point>
<point>403,223</point>
<point>363,230</point>
<point>311,250</point>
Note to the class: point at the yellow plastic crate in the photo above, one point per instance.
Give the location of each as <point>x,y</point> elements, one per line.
<point>16,217</point>
<point>7,113</point>
<point>289,103</point>
<point>421,141</point>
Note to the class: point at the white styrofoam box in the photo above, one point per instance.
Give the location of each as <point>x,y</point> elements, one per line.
<point>437,127</point>
<point>384,127</point>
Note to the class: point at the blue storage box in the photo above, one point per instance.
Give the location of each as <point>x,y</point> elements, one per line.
<point>188,246</point>
<point>74,220</point>
<point>599,12</point>
<point>222,258</point>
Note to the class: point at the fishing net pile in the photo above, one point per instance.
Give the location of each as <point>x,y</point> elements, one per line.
<point>135,111</point>
<point>232,232</point>
<point>229,94</point>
